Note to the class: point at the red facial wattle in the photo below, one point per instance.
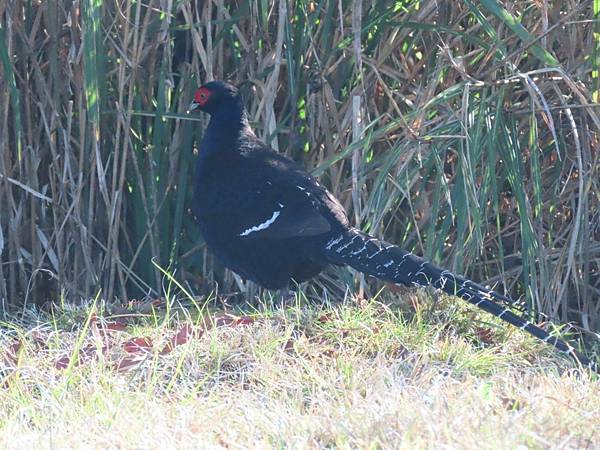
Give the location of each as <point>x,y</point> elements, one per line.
<point>201,96</point>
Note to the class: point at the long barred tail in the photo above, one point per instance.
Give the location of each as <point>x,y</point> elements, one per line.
<point>390,263</point>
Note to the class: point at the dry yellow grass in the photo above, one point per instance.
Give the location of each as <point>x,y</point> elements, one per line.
<point>479,125</point>
<point>359,377</point>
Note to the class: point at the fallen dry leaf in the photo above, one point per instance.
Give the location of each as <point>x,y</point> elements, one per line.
<point>221,320</point>
<point>485,335</point>
<point>139,345</point>
<point>326,317</point>
<point>12,353</point>
<point>62,362</point>
<point>245,320</point>
<point>184,334</point>
<point>128,363</point>
<point>115,326</point>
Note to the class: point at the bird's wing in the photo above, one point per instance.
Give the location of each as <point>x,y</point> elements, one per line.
<point>267,196</point>
<point>285,210</point>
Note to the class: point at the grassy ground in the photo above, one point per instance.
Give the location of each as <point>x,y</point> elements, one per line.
<point>397,372</point>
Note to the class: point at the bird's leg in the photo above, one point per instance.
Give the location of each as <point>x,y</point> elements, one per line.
<point>435,296</point>
<point>285,296</point>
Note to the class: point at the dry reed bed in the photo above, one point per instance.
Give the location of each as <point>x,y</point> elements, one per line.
<point>425,119</point>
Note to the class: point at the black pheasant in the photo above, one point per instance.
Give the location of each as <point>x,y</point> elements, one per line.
<point>269,221</point>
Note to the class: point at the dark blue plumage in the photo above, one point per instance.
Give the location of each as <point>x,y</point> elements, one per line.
<point>269,221</point>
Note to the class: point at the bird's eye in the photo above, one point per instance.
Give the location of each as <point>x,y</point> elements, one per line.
<point>202,95</point>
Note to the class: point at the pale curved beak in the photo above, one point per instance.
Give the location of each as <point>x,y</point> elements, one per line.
<point>193,106</point>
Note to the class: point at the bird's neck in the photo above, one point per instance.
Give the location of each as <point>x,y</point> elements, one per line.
<point>226,131</point>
